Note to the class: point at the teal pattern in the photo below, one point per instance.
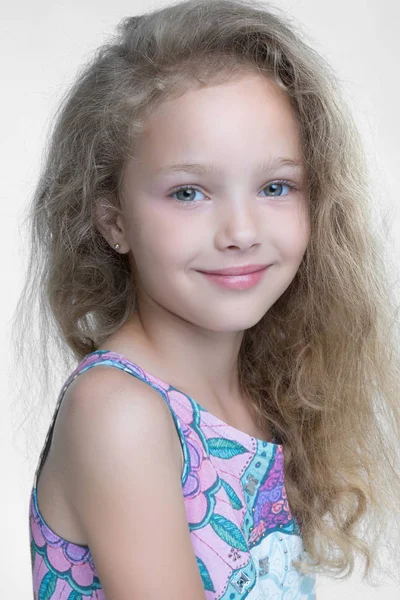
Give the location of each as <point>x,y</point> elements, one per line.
<point>243,533</point>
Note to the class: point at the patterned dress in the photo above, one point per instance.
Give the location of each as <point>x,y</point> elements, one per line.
<point>243,534</point>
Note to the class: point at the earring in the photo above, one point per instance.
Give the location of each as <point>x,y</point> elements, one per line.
<point>116,246</point>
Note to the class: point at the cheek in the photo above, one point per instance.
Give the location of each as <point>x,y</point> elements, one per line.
<point>163,242</point>
<point>291,235</point>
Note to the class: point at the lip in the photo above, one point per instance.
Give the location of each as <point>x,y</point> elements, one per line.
<point>236,282</point>
<point>239,270</point>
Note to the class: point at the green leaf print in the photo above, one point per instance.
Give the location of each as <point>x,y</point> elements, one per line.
<point>74,595</point>
<point>224,448</point>
<point>47,586</point>
<point>228,532</point>
<point>205,575</point>
<point>233,497</point>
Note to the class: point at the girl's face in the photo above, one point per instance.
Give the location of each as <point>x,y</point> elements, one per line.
<point>233,214</point>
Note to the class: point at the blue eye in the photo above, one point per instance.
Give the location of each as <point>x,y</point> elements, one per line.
<point>277,185</point>
<point>185,188</point>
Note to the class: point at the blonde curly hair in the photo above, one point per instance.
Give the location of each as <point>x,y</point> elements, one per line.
<point>322,366</point>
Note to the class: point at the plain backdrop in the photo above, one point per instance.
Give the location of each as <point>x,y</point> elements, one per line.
<point>42,45</point>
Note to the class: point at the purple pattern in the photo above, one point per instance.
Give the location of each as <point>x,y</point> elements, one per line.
<point>234,494</point>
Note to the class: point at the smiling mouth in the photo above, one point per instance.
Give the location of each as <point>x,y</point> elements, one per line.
<point>236,271</point>
<point>236,282</point>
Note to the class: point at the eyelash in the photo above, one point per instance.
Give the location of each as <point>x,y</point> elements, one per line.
<point>194,187</point>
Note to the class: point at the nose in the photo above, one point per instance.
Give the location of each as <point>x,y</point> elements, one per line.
<point>239,225</point>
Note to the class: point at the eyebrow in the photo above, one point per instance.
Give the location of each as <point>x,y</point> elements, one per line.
<point>211,168</point>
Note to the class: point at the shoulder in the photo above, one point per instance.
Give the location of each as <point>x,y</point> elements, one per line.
<point>108,411</point>
<point>107,392</point>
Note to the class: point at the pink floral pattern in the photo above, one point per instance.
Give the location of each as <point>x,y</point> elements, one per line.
<point>64,570</point>
<point>243,533</point>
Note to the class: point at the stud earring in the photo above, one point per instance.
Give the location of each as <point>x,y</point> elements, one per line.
<point>116,246</point>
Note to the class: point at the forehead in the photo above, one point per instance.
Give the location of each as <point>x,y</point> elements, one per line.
<point>250,110</point>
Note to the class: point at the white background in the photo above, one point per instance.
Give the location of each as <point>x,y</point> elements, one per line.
<point>42,44</point>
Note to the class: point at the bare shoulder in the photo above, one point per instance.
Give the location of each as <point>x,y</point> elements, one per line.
<point>123,480</point>
<point>105,396</point>
<point>112,401</point>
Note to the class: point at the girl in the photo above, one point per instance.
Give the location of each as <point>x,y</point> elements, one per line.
<point>202,226</point>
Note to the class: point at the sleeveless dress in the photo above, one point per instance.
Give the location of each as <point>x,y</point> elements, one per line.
<point>242,531</point>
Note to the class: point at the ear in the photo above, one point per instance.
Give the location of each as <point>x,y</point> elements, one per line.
<point>110,223</point>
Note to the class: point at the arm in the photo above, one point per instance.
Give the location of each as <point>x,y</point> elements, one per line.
<point>122,480</point>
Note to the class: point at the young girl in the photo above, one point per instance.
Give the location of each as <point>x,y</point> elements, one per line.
<point>202,226</point>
